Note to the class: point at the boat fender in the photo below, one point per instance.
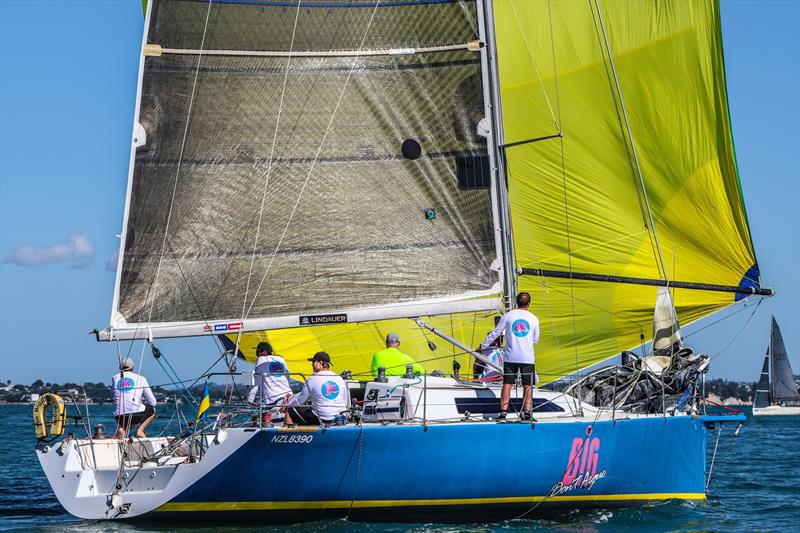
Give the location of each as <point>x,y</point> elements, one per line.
<point>57,420</point>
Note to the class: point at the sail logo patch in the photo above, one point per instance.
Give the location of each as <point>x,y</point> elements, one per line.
<point>228,326</point>
<point>520,327</point>
<point>317,320</point>
<point>330,390</point>
<point>581,469</point>
<point>125,385</point>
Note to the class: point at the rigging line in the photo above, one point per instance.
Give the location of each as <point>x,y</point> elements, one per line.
<point>566,197</point>
<point>216,341</point>
<point>590,304</point>
<point>660,257</point>
<point>726,317</point>
<point>316,156</point>
<point>180,160</point>
<point>268,173</point>
<point>563,175</point>
<point>741,330</point>
<point>556,121</point>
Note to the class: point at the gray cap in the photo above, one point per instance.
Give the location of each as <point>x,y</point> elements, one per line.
<point>392,337</point>
<point>126,364</point>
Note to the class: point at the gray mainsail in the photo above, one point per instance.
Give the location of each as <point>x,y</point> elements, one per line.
<point>783,384</point>
<point>762,396</point>
<point>302,157</point>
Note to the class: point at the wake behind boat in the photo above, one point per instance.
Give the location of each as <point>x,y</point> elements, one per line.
<point>318,173</point>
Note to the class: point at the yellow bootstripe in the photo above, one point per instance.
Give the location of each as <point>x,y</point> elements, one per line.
<point>339,504</point>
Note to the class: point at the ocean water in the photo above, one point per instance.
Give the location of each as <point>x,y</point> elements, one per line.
<point>755,487</point>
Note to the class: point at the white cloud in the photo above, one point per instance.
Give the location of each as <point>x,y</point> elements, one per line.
<point>78,251</point>
<point>111,264</point>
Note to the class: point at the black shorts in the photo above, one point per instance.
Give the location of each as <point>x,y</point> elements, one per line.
<point>134,419</point>
<point>510,373</point>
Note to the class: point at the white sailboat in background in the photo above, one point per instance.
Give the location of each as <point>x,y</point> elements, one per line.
<point>776,392</point>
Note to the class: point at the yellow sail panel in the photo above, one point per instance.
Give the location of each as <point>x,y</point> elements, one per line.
<point>351,346</point>
<point>580,203</point>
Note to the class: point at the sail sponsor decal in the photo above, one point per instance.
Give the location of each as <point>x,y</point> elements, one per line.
<point>581,471</point>
<point>225,326</point>
<point>317,320</point>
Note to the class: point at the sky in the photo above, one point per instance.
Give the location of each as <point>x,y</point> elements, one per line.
<point>67,94</point>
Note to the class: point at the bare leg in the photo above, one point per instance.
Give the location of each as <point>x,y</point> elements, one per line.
<point>143,426</point>
<point>526,397</point>
<point>505,396</point>
<point>122,428</point>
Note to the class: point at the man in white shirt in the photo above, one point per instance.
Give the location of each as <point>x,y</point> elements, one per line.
<point>272,379</point>
<point>328,394</point>
<point>521,329</point>
<point>129,391</point>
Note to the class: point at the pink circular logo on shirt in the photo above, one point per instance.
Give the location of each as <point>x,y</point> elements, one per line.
<point>125,385</point>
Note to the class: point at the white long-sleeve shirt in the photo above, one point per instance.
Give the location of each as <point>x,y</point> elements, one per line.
<point>129,388</point>
<point>521,329</point>
<point>273,380</point>
<point>328,394</point>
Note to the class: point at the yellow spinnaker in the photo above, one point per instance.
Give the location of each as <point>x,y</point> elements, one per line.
<point>556,76</point>
<point>351,345</point>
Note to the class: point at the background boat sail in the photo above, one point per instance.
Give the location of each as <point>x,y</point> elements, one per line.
<point>776,391</point>
<point>319,172</point>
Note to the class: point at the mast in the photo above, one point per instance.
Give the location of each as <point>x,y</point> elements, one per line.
<point>494,138</point>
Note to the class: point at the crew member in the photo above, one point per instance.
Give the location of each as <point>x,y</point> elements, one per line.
<point>494,353</point>
<point>328,394</point>
<point>393,360</point>
<point>272,378</point>
<point>521,330</point>
<point>129,391</point>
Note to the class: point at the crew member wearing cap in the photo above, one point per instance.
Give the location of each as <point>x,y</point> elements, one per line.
<point>272,375</point>
<point>521,330</point>
<point>393,360</point>
<point>328,394</point>
<point>129,391</point>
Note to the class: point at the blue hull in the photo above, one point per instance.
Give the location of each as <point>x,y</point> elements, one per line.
<point>450,473</point>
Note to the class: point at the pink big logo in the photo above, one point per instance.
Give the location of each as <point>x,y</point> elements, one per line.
<point>582,458</point>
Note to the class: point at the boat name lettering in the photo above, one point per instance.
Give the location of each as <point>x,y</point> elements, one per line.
<point>312,320</point>
<point>581,471</point>
<point>292,439</point>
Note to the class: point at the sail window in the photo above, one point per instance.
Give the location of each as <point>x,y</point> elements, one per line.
<point>473,172</point>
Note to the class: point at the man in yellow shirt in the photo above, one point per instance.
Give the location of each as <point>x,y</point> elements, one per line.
<point>393,360</point>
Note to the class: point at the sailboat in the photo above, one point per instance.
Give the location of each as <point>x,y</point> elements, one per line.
<point>776,391</point>
<point>319,173</point>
